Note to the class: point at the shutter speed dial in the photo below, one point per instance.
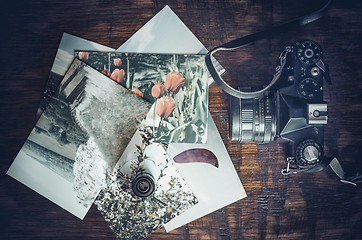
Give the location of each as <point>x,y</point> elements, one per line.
<point>309,153</point>
<point>310,88</point>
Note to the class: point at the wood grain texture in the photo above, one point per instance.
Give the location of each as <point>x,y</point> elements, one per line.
<point>305,206</point>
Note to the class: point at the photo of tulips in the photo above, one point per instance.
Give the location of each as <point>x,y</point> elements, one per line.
<point>177,86</point>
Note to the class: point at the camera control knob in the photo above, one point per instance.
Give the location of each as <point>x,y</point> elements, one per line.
<point>309,88</point>
<point>308,52</point>
<point>309,153</point>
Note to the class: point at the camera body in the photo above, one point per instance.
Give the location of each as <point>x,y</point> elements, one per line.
<point>292,110</point>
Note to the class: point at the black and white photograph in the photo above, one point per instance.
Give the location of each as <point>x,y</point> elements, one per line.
<point>145,190</point>
<point>79,138</point>
<point>63,59</point>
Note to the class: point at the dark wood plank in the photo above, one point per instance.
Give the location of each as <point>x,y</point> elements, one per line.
<point>306,206</point>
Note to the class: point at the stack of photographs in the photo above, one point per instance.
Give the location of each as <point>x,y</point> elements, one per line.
<point>129,129</point>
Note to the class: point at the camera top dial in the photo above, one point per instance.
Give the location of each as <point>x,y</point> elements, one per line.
<point>310,89</point>
<point>309,153</point>
<point>308,52</point>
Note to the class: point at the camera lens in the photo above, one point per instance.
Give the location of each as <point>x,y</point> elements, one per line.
<point>252,119</point>
<point>308,53</point>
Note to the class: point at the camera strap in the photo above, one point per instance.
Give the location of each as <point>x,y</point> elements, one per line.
<point>237,43</point>
<point>333,163</point>
<point>240,42</point>
<point>337,169</point>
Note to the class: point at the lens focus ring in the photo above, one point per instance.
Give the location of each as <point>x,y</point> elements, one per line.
<point>247,120</point>
<point>252,119</point>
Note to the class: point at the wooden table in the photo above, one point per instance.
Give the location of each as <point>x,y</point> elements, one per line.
<point>302,206</point>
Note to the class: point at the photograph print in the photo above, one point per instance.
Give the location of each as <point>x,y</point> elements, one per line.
<point>62,61</point>
<point>134,209</point>
<point>176,84</point>
<point>79,138</point>
<point>202,166</point>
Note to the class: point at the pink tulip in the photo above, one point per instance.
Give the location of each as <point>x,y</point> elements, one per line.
<point>165,106</point>
<point>174,81</point>
<point>117,62</point>
<point>83,55</point>
<point>106,72</point>
<point>118,75</point>
<point>137,92</point>
<point>157,90</point>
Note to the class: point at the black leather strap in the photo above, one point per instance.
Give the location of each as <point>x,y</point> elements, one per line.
<point>338,170</point>
<point>255,37</point>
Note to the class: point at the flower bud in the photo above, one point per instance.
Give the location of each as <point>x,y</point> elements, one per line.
<point>165,106</point>
<point>83,55</point>
<point>118,75</point>
<point>174,81</point>
<point>157,90</point>
<point>137,92</point>
<point>117,62</point>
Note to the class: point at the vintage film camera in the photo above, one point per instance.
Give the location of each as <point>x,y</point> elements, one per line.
<point>291,110</point>
<point>291,106</point>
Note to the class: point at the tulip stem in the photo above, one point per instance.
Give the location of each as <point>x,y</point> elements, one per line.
<point>109,61</point>
<point>177,129</point>
<point>128,78</point>
<point>154,119</point>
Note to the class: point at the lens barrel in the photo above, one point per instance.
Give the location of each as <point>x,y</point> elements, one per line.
<point>253,119</point>
<point>143,184</point>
